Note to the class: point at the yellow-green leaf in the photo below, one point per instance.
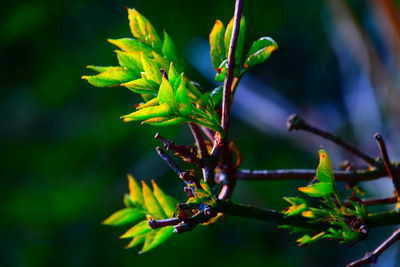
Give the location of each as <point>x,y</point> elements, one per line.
<point>320,189</point>
<point>240,41</point>
<point>151,69</point>
<point>168,204</point>
<point>164,121</point>
<point>162,110</point>
<point>142,29</point>
<point>324,170</point>
<point>183,100</point>
<point>124,216</point>
<point>166,93</point>
<point>217,50</point>
<point>130,60</point>
<point>157,238</point>
<point>142,86</point>
<point>139,229</point>
<point>306,239</point>
<point>298,206</point>
<point>136,241</point>
<point>131,45</point>
<point>113,76</point>
<point>152,205</point>
<point>135,191</point>
<point>169,50</point>
<point>260,51</point>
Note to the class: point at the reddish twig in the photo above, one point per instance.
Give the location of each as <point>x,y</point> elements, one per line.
<point>371,258</point>
<point>376,201</point>
<point>295,122</point>
<point>387,163</point>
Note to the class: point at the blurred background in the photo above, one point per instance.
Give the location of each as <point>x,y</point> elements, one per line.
<point>65,153</point>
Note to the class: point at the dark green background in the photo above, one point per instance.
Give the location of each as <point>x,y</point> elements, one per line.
<point>65,153</point>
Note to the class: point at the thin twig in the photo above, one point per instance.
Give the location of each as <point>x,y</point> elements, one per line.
<point>230,69</point>
<point>294,122</point>
<point>351,177</point>
<point>203,153</point>
<point>183,151</point>
<point>387,163</point>
<point>371,258</point>
<point>168,160</point>
<point>375,201</point>
<point>208,133</point>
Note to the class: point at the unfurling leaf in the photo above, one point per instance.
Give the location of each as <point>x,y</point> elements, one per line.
<point>320,189</point>
<point>135,192</point>
<point>112,76</point>
<point>124,216</point>
<point>152,204</point>
<point>156,238</point>
<point>166,93</point>
<point>167,203</point>
<point>217,48</point>
<point>139,229</point>
<point>306,239</point>
<point>162,110</point>
<point>260,51</point>
<point>169,50</point>
<point>142,29</point>
<point>131,45</point>
<point>151,70</point>
<point>142,86</point>
<point>298,206</point>
<point>324,170</point>
<point>130,60</point>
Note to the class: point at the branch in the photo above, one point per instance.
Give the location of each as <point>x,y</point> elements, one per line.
<point>376,201</point>
<point>230,69</point>
<point>168,160</point>
<point>386,162</point>
<point>351,177</point>
<point>295,122</point>
<point>371,258</point>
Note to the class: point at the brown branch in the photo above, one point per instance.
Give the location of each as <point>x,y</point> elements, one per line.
<point>387,163</point>
<point>169,161</point>
<point>351,177</point>
<point>295,122</point>
<point>181,150</point>
<point>371,258</point>
<point>375,201</point>
<point>230,69</point>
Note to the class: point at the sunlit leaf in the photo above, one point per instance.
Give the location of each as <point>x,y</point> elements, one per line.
<point>307,240</point>
<point>166,93</point>
<point>152,205</point>
<point>130,60</point>
<point>113,76</point>
<point>131,45</point>
<point>165,121</point>
<point>142,86</point>
<point>221,72</point>
<point>169,49</point>
<point>136,241</point>
<point>99,68</point>
<point>124,216</point>
<point>159,236</point>
<point>324,170</point>
<point>216,38</point>
<point>298,206</point>
<point>182,99</point>
<point>318,189</point>
<point>260,51</point>
<point>168,204</point>
<point>162,110</point>
<point>152,102</point>
<point>135,191</point>
<point>160,61</point>
<point>139,229</point>
<point>143,30</point>
<point>151,70</point>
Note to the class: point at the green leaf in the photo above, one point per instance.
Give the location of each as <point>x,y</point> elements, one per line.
<point>152,204</point>
<point>240,41</point>
<point>139,229</point>
<point>130,60</point>
<point>217,50</point>
<point>136,241</point>
<point>131,45</point>
<point>173,74</point>
<point>165,121</point>
<point>151,70</point>
<point>183,100</point>
<point>142,86</point>
<point>160,61</point>
<point>320,189</point>
<point>124,216</point>
<point>307,240</point>
<point>135,191</point>
<point>298,206</point>
<point>142,29</point>
<point>168,204</point>
<point>216,95</point>
<point>221,72</point>
<point>166,93</point>
<point>113,76</point>
<point>260,51</point>
<point>169,49</point>
<point>162,110</point>
<point>98,68</point>
<point>157,238</point>
<point>324,170</point>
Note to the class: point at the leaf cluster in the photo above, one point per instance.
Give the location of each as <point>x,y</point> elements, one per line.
<point>345,223</point>
<point>141,205</point>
